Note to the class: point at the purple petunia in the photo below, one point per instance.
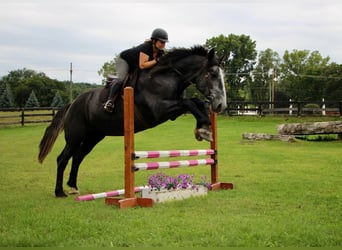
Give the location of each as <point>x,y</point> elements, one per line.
<point>161,181</point>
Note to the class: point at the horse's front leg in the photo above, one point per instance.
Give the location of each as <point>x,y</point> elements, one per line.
<point>72,182</point>
<point>200,111</point>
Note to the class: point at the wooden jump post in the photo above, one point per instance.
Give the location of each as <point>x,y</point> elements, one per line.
<point>130,200</point>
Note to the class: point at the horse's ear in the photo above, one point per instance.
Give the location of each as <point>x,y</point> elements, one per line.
<point>211,54</point>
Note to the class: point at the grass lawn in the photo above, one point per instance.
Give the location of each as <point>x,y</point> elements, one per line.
<point>285,194</point>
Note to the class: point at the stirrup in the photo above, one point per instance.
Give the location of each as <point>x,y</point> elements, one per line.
<point>109,106</point>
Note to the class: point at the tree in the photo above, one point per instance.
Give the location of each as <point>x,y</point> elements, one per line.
<point>108,68</point>
<point>23,81</point>
<point>57,100</point>
<point>239,54</point>
<point>302,74</point>
<point>32,101</point>
<point>264,75</point>
<point>6,97</point>
<point>333,82</point>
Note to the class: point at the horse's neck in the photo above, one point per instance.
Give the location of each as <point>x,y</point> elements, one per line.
<point>182,73</point>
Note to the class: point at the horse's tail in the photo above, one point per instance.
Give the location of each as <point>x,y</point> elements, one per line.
<point>51,133</point>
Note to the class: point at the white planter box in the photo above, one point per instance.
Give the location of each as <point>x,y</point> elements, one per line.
<point>175,194</point>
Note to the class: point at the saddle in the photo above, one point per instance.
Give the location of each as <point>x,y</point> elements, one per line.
<point>116,86</point>
<point>130,80</point>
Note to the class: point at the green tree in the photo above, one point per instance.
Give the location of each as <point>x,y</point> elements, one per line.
<point>239,54</point>
<point>57,100</point>
<point>23,81</point>
<point>264,75</point>
<point>6,97</point>
<point>32,101</point>
<point>108,68</point>
<point>333,82</point>
<point>302,75</point>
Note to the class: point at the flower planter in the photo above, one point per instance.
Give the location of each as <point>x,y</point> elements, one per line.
<point>174,194</point>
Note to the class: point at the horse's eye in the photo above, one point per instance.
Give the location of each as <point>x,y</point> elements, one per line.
<point>213,73</point>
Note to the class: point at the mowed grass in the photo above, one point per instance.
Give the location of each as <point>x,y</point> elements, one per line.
<point>285,194</point>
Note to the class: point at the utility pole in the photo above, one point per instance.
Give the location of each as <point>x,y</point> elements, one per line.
<point>70,98</point>
<point>271,91</point>
<point>273,75</point>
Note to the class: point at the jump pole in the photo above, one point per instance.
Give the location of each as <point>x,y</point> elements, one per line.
<point>90,197</point>
<point>215,184</point>
<point>129,199</point>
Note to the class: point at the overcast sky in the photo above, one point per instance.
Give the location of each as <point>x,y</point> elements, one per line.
<point>47,35</point>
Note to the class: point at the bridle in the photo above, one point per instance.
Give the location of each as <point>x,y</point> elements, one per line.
<point>208,98</point>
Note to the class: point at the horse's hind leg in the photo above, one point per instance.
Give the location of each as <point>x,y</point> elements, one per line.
<point>87,145</point>
<point>62,162</point>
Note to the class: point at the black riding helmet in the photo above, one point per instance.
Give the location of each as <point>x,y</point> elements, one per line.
<point>160,34</point>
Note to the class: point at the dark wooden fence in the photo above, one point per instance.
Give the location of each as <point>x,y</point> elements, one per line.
<point>24,116</point>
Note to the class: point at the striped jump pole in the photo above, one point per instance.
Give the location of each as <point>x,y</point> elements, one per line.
<point>89,197</point>
<point>172,153</point>
<point>171,164</point>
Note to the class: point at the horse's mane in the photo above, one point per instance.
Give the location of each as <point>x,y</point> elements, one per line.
<point>176,54</point>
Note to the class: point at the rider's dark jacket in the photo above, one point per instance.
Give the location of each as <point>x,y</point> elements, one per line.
<point>131,56</point>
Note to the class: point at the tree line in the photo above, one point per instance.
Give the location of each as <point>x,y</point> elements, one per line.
<point>300,75</point>
<point>28,88</point>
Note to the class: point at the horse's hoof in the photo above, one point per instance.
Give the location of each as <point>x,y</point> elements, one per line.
<point>205,134</point>
<point>74,191</point>
<point>197,135</point>
<point>60,195</point>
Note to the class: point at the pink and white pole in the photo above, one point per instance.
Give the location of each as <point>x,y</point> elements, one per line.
<point>172,164</point>
<point>89,197</point>
<point>172,153</point>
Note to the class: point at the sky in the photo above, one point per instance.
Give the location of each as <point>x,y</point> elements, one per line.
<point>48,35</point>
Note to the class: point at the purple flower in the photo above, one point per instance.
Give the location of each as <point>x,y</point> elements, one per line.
<point>161,181</point>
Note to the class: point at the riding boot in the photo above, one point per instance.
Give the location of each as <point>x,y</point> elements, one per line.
<point>115,88</point>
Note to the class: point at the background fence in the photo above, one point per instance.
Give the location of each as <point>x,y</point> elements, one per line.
<point>285,108</point>
<point>25,116</point>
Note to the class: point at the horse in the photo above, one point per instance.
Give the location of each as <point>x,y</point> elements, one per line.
<point>158,97</point>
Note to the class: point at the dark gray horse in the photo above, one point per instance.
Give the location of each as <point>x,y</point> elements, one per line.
<point>158,98</point>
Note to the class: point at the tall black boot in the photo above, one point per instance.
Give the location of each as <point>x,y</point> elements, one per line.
<point>115,88</point>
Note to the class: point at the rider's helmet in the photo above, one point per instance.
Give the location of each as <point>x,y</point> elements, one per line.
<point>160,34</point>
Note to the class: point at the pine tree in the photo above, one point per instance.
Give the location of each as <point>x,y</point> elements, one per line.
<point>32,101</point>
<point>57,100</point>
<point>6,97</point>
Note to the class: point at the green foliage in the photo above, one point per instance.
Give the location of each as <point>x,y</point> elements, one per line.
<point>264,75</point>
<point>32,101</point>
<point>239,54</point>
<point>23,82</point>
<point>57,100</point>
<point>333,82</point>
<point>108,68</point>
<point>302,73</point>
<point>285,194</point>
<point>6,97</point>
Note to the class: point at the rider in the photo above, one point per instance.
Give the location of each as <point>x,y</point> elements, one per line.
<point>144,56</point>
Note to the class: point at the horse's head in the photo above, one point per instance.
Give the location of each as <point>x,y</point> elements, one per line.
<point>198,66</point>
<point>211,83</point>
